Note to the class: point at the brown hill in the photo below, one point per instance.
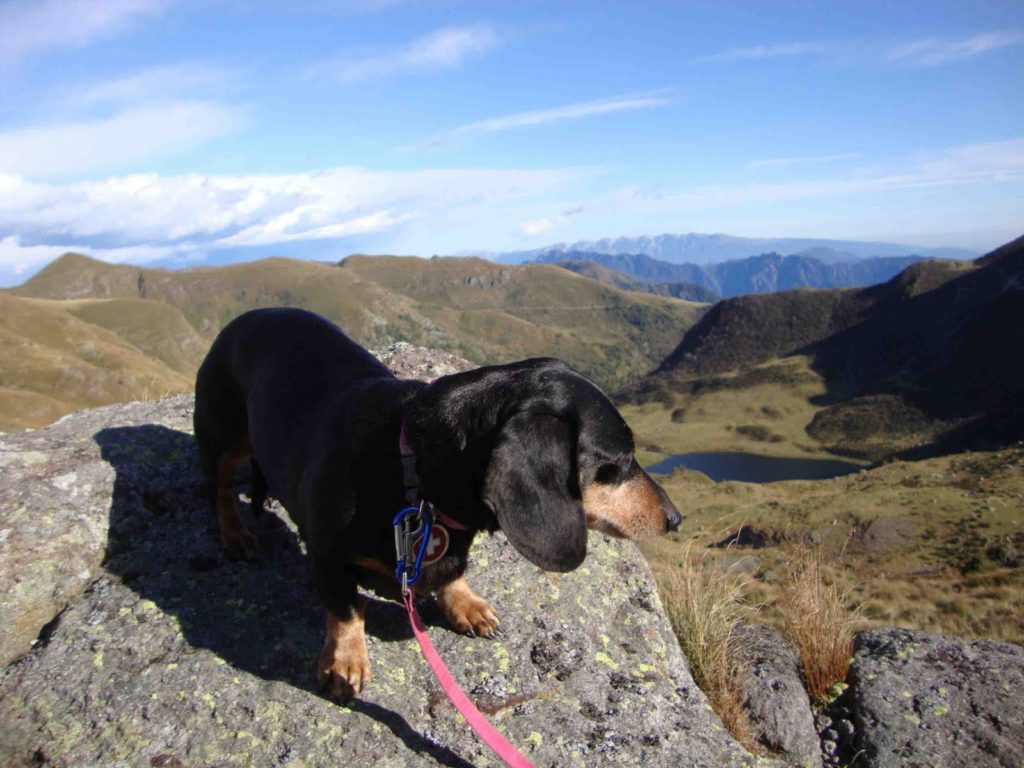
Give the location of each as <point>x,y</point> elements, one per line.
<point>52,363</point>
<point>482,311</point>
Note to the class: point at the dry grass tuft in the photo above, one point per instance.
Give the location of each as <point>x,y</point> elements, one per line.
<point>817,620</point>
<point>705,605</point>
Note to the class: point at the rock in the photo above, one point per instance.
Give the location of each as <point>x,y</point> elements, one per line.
<point>774,696</point>
<point>412,362</point>
<point>174,656</point>
<point>55,500</point>
<point>886,534</point>
<point>925,699</point>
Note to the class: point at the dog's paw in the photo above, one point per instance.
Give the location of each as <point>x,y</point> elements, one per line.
<point>343,669</point>
<point>466,611</point>
<point>239,544</point>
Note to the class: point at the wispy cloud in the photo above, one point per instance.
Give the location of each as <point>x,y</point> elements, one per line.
<point>28,28</point>
<point>442,49</point>
<point>988,163</point>
<point>770,51</point>
<point>935,51</point>
<point>802,160</point>
<point>158,84</point>
<point>627,102</point>
<point>130,135</point>
<point>922,52</point>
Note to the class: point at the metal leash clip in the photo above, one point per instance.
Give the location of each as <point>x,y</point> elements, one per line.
<point>412,524</point>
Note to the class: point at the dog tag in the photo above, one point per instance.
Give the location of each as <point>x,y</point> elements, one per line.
<point>437,546</point>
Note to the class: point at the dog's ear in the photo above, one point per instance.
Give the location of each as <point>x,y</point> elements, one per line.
<point>532,487</point>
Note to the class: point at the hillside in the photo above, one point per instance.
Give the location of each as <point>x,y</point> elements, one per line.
<point>766,273</point>
<point>679,290</point>
<point>487,312</point>
<point>52,362</point>
<point>941,341</point>
<point>482,311</point>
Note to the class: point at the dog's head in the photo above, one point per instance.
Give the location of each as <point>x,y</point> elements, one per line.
<point>550,457</point>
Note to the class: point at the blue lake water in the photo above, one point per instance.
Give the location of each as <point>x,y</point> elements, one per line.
<point>753,468</point>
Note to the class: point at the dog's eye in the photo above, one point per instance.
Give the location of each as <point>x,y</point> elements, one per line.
<point>607,473</point>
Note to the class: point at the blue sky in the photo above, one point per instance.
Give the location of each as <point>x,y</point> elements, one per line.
<point>180,133</point>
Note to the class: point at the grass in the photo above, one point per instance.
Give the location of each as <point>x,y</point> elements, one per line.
<point>705,606</point>
<point>817,621</point>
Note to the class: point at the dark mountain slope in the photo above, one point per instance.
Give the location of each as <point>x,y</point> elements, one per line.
<point>946,339</point>
<point>766,273</point>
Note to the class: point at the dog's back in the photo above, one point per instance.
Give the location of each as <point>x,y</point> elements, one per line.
<point>269,375</point>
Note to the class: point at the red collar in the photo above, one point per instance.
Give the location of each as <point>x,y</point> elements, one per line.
<point>412,484</point>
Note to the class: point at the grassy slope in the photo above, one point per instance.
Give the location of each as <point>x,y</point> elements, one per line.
<point>936,561</point>
<point>51,363</point>
<point>506,312</point>
<point>483,311</point>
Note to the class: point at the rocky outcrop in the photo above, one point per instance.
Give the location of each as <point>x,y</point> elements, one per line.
<point>129,640</point>
<point>138,644</point>
<point>924,699</point>
<point>774,696</point>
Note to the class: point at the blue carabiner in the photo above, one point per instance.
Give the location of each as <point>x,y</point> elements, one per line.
<point>408,557</point>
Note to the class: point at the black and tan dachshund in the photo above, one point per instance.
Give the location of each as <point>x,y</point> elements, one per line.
<point>532,448</point>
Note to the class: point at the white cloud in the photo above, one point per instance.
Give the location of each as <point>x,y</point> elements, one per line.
<point>801,160</point>
<point>536,226</point>
<point>575,111</point>
<point>152,216</point>
<point>131,135</point>
<point>28,28</point>
<point>442,49</point>
<point>935,51</point>
<point>757,52</point>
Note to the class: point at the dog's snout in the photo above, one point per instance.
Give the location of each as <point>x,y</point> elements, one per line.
<point>668,509</point>
<point>672,517</point>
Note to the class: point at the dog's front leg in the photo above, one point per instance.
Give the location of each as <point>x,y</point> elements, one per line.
<point>466,611</point>
<point>344,665</point>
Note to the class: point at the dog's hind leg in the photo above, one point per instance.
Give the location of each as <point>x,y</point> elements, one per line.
<point>238,543</point>
<point>258,491</point>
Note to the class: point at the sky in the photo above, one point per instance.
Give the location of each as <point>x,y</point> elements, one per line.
<point>201,133</point>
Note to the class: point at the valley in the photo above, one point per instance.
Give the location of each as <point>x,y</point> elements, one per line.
<point>915,381</point>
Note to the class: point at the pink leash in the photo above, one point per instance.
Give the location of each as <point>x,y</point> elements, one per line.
<point>487,732</point>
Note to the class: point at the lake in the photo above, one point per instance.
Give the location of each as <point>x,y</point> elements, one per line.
<point>753,468</point>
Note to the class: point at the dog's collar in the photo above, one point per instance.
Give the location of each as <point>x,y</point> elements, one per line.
<point>411,481</point>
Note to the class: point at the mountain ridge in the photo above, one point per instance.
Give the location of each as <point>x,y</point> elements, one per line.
<point>701,248</point>
<point>763,273</point>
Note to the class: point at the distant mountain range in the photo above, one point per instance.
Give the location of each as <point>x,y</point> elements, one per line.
<point>594,269</point>
<point>697,248</point>
<point>766,273</point>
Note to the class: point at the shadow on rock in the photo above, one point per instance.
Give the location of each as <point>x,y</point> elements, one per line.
<point>260,617</point>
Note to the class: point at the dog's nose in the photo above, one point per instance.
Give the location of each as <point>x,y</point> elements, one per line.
<point>668,509</point>
<point>672,517</point>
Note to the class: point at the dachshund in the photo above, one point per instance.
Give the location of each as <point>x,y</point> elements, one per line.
<point>532,448</point>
